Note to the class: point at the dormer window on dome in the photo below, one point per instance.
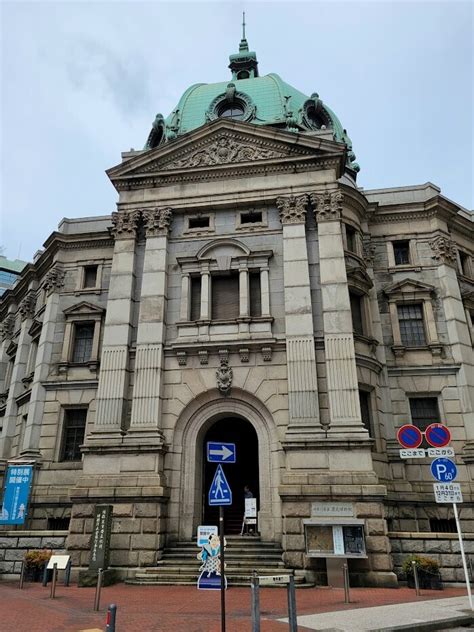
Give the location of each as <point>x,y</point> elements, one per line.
<point>231,104</point>
<point>314,115</point>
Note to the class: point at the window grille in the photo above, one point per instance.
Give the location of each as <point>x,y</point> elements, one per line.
<point>443,525</point>
<point>412,331</point>
<point>424,411</point>
<point>73,435</point>
<point>225,297</point>
<point>401,252</point>
<point>90,276</point>
<point>82,349</point>
<point>255,294</point>
<point>356,312</point>
<point>195,298</point>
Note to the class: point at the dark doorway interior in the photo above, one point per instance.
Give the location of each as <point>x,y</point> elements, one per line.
<point>243,472</point>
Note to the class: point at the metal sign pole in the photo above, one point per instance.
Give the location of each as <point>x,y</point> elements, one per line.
<point>255,588</point>
<point>415,577</point>
<point>222,556</point>
<point>292,605</point>
<point>463,556</point>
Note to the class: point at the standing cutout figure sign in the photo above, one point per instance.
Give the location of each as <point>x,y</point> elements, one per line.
<point>210,556</point>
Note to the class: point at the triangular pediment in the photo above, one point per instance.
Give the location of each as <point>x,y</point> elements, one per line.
<point>225,144</point>
<point>83,308</point>
<point>407,286</point>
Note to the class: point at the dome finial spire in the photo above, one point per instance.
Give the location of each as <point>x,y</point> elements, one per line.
<point>244,64</point>
<point>243,46</point>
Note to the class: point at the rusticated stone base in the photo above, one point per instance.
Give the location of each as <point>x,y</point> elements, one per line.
<point>87,579</point>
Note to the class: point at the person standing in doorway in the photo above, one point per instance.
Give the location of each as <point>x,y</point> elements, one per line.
<point>245,527</point>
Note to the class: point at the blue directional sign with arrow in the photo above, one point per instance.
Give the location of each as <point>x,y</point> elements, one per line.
<point>220,492</point>
<point>444,470</point>
<point>218,452</point>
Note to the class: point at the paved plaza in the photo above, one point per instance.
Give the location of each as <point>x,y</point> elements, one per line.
<point>182,608</point>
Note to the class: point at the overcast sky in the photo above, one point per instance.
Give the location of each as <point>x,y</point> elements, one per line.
<point>81,82</point>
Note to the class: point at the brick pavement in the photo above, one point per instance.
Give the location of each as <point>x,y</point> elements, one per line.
<point>176,608</point>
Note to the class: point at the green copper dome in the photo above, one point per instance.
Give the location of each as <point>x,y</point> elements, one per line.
<point>266,100</point>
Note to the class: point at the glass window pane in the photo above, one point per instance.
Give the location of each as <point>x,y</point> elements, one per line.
<point>83,337</point>
<point>73,436</point>
<point>424,411</point>
<point>356,311</point>
<point>401,251</point>
<point>225,297</point>
<point>412,330</point>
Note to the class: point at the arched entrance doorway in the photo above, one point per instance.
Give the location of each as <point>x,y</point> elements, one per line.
<point>244,472</point>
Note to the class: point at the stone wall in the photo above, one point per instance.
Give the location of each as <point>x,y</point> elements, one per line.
<point>14,545</point>
<point>443,547</point>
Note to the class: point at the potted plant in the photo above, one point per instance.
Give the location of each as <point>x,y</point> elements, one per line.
<point>428,572</point>
<point>35,562</point>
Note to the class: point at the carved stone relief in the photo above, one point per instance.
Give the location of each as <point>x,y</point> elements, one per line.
<point>327,205</point>
<point>27,306</point>
<point>444,250</point>
<point>157,221</point>
<point>292,209</point>
<point>54,280</point>
<point>6,327</point>
<point>124,224</point>
<point>224,375</point>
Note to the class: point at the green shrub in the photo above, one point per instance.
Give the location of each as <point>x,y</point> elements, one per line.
<point>37,559</point>
<point>426,564</point>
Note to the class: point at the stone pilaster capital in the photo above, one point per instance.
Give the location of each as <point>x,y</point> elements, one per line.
<point>6,327</point>
<point>327,205</point>
<point>369,251</point>
<point>125,224</point>
<point>53,280</point>
<point>444,250</point>
<point>26,307</point>
<point>157,221</point>
<point>292,208</point>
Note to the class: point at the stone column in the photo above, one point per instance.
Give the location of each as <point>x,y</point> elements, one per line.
<point>114,363</point>
<point>444,252</point>
<point>145,423</point>
<point>244,301</point>
<point>25,309</point>
<point>343,390</point>
<point>52,284</point>
<point>185,307</point>
<point>265,291</point>
<point>205,294</point>
<point>300,350</point>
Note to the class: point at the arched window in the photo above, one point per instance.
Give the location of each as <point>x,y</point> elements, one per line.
<point>231,110</point>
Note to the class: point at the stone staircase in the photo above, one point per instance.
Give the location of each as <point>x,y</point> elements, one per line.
<point>244,554</point>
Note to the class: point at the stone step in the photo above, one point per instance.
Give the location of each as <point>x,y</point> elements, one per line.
<point>246,555</point>
<point>230,564</point>
<point>233,579</point>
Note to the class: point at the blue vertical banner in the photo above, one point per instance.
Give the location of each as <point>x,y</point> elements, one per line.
<point>18,480</point>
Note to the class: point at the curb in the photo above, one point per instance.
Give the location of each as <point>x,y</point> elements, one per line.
<point>423,626</point>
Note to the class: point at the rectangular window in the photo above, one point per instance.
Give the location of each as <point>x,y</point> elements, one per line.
<point>58,524</point>
<point>73,435</point>
<point>443,525</point>
<point>401,252</point>
<point>90,276</point>
<point>412,331</point>
<point>32,357</point>
<point>351,238</point>
<point>199,222</point>
<point>464,261</point>
<point>82,347</point>
<point>356,312</point>
<point>424,411</point>
<point>364,399</point>
<point>195,298</point>
<point>252,217</point>
<point>255,294</point>
<point>225,296</point>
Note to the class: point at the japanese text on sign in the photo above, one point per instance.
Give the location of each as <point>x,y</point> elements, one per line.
<point>447,492</point>
<point>17,491</point>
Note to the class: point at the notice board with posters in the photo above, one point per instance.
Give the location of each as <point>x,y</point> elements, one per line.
<point>334,538</point>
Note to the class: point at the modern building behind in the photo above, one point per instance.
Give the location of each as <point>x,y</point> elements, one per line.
<point>10,270</point>
<point>246,290</point>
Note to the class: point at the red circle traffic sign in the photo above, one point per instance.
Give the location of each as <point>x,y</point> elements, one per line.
<point>409,436</point>
<point>437,435</point>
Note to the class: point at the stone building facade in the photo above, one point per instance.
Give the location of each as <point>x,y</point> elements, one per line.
<point>246,289</point>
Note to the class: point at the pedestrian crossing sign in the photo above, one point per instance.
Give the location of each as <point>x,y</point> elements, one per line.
<point>220,492</point>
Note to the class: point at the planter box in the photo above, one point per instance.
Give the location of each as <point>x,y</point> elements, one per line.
<point>428,581</point>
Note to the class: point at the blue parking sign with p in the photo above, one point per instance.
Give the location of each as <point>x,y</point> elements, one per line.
<point>444,470</point>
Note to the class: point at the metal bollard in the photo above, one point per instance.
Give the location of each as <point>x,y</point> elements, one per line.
<point>98,588</point>
<point>255,589</point>
<point>22,574</point>
<point>45,575</point>
<point>415,575</point>
<point>67,574</point>
<point>110,621</point>
<point>292,605</point>
<point>52,594</point>
<point>345,572</point>
<point>471,574</point>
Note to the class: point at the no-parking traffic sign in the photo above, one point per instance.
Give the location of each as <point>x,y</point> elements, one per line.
<point>409,436</point>
<point>437,435</point>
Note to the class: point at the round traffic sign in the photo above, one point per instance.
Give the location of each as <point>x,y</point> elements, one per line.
<point>444,470</point>
<point>409,436</point>
<point>437,435</point>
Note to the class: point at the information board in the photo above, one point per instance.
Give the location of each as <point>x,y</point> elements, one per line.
<point>447,492</point>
